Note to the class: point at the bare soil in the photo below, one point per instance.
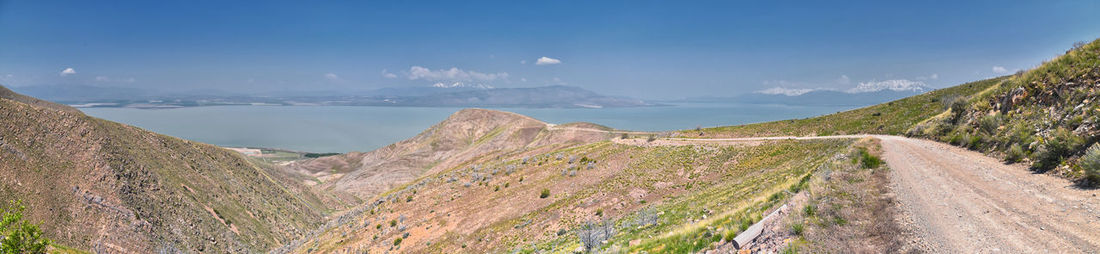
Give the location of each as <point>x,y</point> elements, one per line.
<point>962,201</point>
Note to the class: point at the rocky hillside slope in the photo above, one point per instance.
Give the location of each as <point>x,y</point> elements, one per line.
<point>1046,116</point>
<point>655,197</point>
<point>467,134</point>
<point>108,187</point>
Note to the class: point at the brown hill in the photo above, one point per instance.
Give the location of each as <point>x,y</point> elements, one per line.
<point>6,93</point>
<point>104,186</point>
<point>467,134</point>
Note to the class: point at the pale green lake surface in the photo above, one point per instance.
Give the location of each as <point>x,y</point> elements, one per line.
<point>343,129</point>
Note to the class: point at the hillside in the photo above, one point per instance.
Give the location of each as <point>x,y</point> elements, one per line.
<point>656,195</point>
<point>894,118</point>
<point>1045,117</point>
<point>5,93</point>
<point>467,134</point>
<point>108,187</point>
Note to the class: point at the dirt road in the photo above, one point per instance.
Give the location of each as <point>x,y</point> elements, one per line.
<point>962,201</point>
<point>959,201</point>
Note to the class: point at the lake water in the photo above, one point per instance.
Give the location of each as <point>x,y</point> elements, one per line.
<point>343,129</point>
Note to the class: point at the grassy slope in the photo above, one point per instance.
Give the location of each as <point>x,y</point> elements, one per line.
<point>1046,116</point>
<point>893,118</point>
<point>699,191</point>
<point>101,185</point>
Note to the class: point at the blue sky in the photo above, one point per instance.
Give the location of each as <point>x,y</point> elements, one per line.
<point>633,48</point>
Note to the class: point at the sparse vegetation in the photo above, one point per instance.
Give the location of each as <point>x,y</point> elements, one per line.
<point>592,234</point>
<point>1015,153</point>
<point>847,209</point>
<point>796,229</point>
<point>1045,116</point>
<point>894,118</point>
<point>1090,163</point>
<point>868,160</point>
<point>1054,149</point>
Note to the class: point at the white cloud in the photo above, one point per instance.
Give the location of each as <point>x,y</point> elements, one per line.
<point>892,85</point>
<point>523,79</point>
<point>460,84</point>
<point>788,88</point>
<point>843,80</point>
<point>332,76</point>
<point>387,74</point>
<point>67,72</point>
<point>934,76</point>
<point>522,61</point>
<point>999,70</point>
<point>452,74</point>
<point>786,91</point>
<point>546,61</point>
<point>102,78</point>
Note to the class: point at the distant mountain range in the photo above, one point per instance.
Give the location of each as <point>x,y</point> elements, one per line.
<point>814,98</point>
<point>533,97</point>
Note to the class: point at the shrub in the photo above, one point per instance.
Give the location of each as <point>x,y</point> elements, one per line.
<point>730,234</point>
<point>1014,154</point>
<point>974,142</point>
<point>1061,144</point>
<point>592,235</point>
<point>958,108</point>
<point>797,229</point>
<point>868,160</point>
<point>599,212</point>
<point>744,223</point>
<point>809,210</point>
<point>18,236</point>
<point>646,217</point>
<point>1090,163</point>
<point>397,242</point>
<point>545,193</point>
<point>955,139</point>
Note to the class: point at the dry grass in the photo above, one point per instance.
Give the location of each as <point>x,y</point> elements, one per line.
<point>853,209</point>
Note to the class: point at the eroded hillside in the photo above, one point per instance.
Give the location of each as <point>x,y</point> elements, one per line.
<point>108,187</point>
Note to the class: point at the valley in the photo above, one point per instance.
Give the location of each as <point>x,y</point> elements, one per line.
<point>1007,164</point>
